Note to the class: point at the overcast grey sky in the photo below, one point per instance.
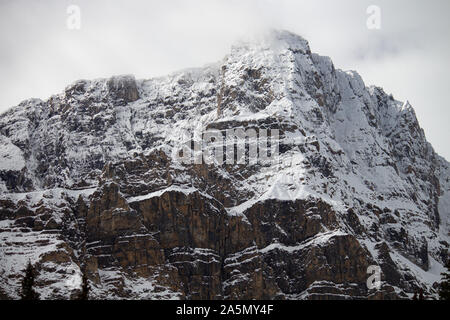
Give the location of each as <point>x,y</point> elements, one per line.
<point>408,56</point>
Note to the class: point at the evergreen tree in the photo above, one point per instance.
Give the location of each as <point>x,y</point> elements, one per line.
<point>444,289</point>
<point>84,294</point>
<point>421,296</point>
<point>27,292</point>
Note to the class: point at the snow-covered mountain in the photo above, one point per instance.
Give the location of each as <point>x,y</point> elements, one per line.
<point>88,177</point>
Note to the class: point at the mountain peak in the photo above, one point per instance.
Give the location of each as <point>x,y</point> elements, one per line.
<point>275,39</point>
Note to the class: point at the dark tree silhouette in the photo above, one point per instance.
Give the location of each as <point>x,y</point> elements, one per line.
<point>444,287</point>
<point>421,296</point>
<point>84,294</point>
<point>27,292</point>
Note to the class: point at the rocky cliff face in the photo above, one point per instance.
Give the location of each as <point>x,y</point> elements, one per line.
<point>89,178</point>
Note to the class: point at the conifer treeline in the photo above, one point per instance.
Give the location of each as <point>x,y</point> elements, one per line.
<point>27,291</point>
<point>444,288</point>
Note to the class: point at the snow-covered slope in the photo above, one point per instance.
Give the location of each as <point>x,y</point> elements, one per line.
<point>354,151</point>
